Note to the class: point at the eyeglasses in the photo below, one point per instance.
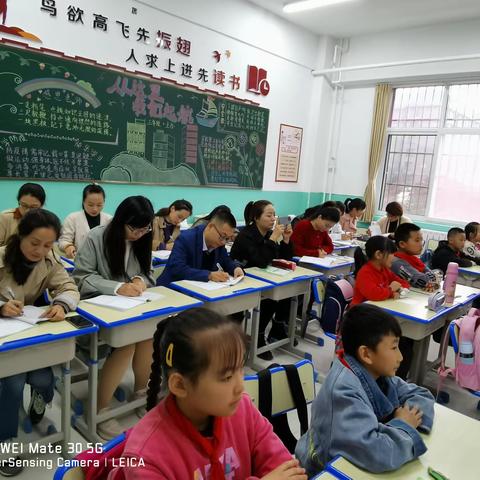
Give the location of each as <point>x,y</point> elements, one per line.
<point>26,206</point>
<point>221,237</point>
<point>140,231</point>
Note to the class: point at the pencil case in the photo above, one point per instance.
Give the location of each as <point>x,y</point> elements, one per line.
<point>286,264</point>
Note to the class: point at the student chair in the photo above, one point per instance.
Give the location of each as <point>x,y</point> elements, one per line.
<point>432,244</point>
<point>443,397</point>
<point>282,400</point>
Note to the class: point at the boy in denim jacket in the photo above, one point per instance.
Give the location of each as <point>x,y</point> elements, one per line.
<point>363,412</point>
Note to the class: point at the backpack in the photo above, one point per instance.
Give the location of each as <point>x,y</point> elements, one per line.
<point>464,333</point>
<point>338,295</point>
<point>280,422</point>
<point>426,257</point>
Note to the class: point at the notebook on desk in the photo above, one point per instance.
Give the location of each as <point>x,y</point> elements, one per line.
<point>120,302</point>
<point>30,317</point>
<point>329,261</point>
<point>211,286</point>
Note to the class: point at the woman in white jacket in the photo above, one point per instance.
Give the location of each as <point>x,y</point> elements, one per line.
<point>77,225</point>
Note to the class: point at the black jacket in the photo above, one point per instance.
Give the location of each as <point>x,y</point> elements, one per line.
<point>444,254</point>
<point>251,249</point>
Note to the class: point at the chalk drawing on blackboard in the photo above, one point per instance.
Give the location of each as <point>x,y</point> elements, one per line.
<point>132,168</point>
<point>37,84</point>
<point>208,115</point>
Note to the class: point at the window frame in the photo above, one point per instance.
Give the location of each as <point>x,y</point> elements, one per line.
<point>440,133</point>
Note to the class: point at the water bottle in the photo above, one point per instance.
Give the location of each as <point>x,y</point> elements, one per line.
<point>465,352</point>
<point>450,282</point>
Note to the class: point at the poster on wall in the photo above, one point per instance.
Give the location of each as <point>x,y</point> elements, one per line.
<point>288,156</point>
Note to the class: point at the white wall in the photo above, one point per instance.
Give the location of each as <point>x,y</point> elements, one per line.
<point>419,43</point>
<point>253,35</point>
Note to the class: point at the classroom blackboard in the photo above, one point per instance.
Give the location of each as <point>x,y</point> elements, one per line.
<point>67,119</point>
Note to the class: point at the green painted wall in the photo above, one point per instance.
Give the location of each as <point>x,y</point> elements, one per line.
<point>66,197</point>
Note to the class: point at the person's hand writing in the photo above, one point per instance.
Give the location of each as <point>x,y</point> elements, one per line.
<point>218,276</point>
<point>13,308</point>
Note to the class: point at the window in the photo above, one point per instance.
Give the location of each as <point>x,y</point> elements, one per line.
<point>432,162</point>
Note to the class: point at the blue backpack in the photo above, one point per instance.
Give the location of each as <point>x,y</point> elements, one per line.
<point>338,295</point>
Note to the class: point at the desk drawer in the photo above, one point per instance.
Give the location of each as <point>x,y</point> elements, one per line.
<point>37,356</point>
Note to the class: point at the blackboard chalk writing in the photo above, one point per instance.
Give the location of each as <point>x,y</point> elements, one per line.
<point>121,127</point>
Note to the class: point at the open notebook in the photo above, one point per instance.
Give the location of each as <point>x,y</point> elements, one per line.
<point>161,254</point>
<point>215,285</point>
<point>328,261</point>
<point>31,316</point>
<point>120,302</point>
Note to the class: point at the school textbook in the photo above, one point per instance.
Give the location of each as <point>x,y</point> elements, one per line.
<point>30,317</point>
<point>121,302</point>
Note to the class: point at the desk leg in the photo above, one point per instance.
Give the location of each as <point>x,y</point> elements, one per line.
<point>66,409</point>
<point>92,386</point>
<point>254,336</point>
<point>417,368</point>
<point>292,324</point>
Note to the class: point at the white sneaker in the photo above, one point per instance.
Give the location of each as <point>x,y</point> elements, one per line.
<point>109,428</point>
<point>140,411</point>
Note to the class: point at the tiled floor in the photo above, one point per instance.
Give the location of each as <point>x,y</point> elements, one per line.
<point>460,400</point>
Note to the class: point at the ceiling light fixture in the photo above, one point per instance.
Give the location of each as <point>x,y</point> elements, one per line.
<point>310,5</point>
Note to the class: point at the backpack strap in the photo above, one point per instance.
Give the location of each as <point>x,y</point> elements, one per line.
<point>265,392</point>
<point>298,396</point>
<point>442,371</point>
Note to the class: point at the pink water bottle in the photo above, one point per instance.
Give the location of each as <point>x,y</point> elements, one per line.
<point>450,282</point>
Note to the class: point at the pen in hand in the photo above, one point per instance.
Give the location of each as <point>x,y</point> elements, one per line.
<point>13,307</point>
<point>220,269</point>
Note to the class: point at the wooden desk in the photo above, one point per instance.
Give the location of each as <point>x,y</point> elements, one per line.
<point>291,285</point>
<point>325,475</point>
<point>418,322</point>
<point>245,295</point>
<point>469,276</point>
<point>120,328</point>
<point>45,345</point>
<point>452,449</point>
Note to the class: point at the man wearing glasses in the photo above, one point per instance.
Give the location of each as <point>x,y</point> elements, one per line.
<point>199,253</point>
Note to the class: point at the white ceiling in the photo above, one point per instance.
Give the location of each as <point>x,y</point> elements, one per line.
<point>368,16</point>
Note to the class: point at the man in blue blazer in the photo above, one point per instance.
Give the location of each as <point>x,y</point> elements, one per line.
<point>199,252</point>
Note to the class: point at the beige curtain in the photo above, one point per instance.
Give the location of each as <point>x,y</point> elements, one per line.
<point>383,98</point>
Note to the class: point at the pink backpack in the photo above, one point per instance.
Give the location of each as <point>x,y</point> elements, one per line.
<point>465,336</point>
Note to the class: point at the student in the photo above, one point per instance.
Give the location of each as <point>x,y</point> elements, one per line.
<point>364,412</point>
<point>451,250</point>
<point>374,280</point>
<point>28,268</point>
<point>116,260</point>
<point>77,225</point>
<point>472,242</point>
<point>310,236</point>
<point>354,209</point>
<point>407,265</point>
<point>256,246</point>
<point>206,219</point>
<point>166,224</point>
<point>393,219</point>
<point>199,253</point>
<point>206,427</point>
<point>336,232</point>
<point>30,196</point>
